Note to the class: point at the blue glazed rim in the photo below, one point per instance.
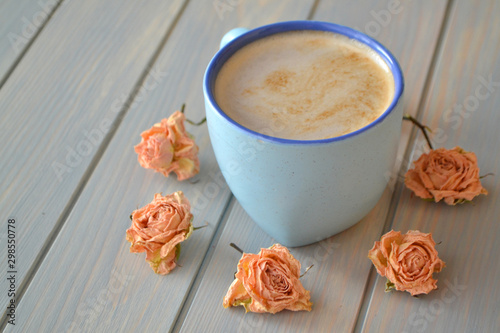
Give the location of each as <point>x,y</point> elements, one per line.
<point>232,47</point>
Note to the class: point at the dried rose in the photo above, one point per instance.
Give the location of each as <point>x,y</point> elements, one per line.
<point>407,261</point>
<point>268,282</point>
<point>158,229</point>
<point>168,147</point>
<point>452,175</point>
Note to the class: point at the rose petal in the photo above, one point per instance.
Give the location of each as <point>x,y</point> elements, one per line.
<point>158,228</point>
<point>414,183</point>
<point>452,175</point>
<point>167,147</point>
<point>236,293</point>
<point>271,280</point>
<point>410,260</point>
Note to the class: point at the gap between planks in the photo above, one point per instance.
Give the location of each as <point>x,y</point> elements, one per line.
<point>314,7</point>
<point>95,160</point>
<point>188,300</point>
<point>26,48</point>
<point>399,186</point>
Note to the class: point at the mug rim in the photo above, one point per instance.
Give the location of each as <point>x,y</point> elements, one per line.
<point>250,36</point>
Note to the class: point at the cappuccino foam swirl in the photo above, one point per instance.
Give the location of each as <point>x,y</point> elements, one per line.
<point>304,85</point>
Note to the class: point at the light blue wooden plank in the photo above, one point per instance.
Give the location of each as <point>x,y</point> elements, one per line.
<point>467,298</point>
<point>20,21</point>
<point>58,105</point>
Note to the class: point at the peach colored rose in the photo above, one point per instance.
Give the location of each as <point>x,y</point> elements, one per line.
<point>167,147</point>
<point>452,175</point>
<point>158,229</point>
<point>268,282</point>
<point>407,261</point>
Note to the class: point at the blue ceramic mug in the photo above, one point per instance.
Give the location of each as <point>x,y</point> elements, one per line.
<point>300,192</point>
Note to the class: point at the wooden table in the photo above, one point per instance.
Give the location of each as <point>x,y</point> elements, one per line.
<point>80,80</point>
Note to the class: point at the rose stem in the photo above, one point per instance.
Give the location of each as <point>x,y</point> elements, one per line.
<point>419,125</point>
<point>486,175</point>
<point>308,268</point>
<point>236,247</point>
<point>197,124</point>
<point>183,107</point>
<point>203,226</point>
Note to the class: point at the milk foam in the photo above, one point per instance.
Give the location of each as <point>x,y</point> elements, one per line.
<point>304,85</point>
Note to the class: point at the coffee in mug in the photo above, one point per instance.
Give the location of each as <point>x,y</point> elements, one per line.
<point>317,84</point>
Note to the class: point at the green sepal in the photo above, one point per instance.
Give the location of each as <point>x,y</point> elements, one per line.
<point>389,286</point>
<point>246,304</point>
<point>461,201</point>
<point>456,202</point>
<point>190,230</point>
<point>177,251</point>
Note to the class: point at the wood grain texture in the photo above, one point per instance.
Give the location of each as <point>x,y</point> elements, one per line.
<point>89,281</point>
<point>58,105</point>
<point>338,280</point>
<point>468,298</point>
<point>20,21</point>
